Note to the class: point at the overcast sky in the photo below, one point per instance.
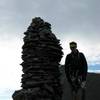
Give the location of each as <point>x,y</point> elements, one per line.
<point>76,20</point>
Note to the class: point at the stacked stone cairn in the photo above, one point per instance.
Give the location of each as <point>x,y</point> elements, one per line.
<point>41,56</point>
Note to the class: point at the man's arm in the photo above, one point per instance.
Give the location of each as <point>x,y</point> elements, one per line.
<point>67,65</point>
<point>85,67</point>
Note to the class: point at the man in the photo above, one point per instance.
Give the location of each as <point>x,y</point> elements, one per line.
<point>76,70</point>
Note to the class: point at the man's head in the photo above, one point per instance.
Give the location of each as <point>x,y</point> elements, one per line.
<point>73,46</point>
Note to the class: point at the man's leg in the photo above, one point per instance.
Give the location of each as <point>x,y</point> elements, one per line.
<point>83,93</point>
<point>75,95</point>
<point>72,92</point>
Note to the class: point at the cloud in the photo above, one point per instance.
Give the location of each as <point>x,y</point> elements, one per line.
<point>66,16</point>
<point>71,20</point>
<point>10,69</point>
<point>6,94</point>
<point>94,71</point>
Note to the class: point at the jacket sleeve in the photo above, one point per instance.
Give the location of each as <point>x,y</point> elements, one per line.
<point>67,68</point>
<point>85,67</point>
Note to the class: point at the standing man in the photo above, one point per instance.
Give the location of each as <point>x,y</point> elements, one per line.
<point>76,70</point>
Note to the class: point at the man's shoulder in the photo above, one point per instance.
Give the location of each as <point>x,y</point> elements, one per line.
<point>81,53</point>
<point>68,55</point>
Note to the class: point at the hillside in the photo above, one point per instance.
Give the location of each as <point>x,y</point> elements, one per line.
<point>92,90</point>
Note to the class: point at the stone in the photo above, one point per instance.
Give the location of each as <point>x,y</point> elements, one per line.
<point>41,56</point>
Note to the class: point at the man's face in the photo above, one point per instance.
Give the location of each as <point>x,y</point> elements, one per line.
<point>73,49</point>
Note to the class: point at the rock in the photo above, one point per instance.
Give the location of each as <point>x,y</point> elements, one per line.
<point>41,55</point>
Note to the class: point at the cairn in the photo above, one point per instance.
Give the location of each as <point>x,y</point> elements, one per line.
<point>41,56</point>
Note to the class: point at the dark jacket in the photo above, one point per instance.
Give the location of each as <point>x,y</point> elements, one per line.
<point>76,63</point>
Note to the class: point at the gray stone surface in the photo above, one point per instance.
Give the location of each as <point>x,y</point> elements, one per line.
<point>41,55</point>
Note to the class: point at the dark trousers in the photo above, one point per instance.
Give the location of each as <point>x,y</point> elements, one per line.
<point>78,94</point>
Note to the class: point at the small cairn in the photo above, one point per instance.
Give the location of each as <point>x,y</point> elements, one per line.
<point>41,56</point>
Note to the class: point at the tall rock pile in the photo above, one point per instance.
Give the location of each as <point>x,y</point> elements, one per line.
<point>41,56</point>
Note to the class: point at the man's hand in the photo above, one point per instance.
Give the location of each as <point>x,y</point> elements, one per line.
<point>83,84</point>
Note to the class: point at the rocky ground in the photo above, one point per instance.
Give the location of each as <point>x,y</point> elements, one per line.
<point>92,90</point>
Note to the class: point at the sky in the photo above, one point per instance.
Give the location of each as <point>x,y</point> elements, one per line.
<point>71,20</point>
